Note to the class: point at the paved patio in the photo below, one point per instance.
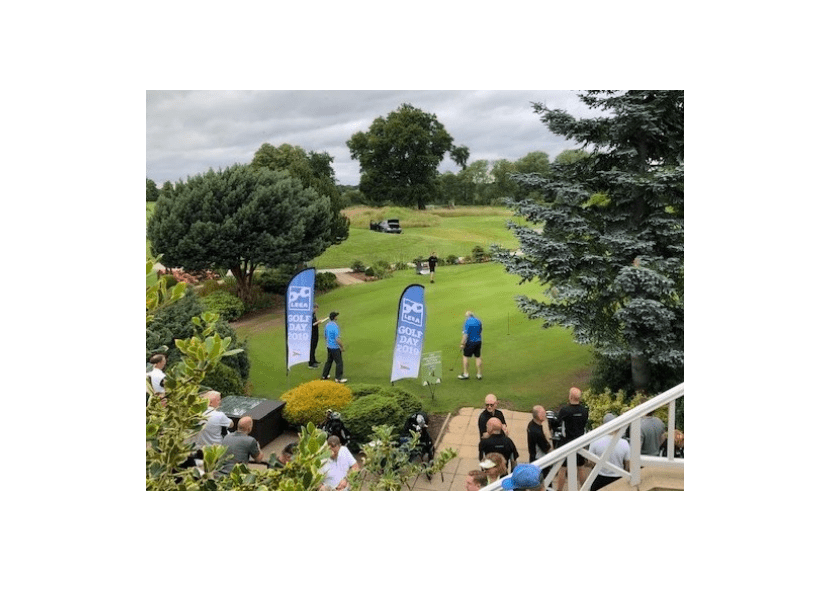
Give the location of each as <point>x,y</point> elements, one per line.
<point>460,434</point>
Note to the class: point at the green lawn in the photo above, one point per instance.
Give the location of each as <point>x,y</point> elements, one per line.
<point>523,363</point>
<point>447,232</point>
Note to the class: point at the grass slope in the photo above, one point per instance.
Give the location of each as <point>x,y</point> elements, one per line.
<point>524,364</point>
<point>445,231</point>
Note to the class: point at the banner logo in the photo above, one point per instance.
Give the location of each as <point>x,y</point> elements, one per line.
<point>412,312</point>
<point>300,297</point>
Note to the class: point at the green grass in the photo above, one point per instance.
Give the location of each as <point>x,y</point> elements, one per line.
<point>445,231</point>
<point>524,364</point>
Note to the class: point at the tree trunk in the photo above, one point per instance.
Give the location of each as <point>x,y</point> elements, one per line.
<point>640,369</point>
<point>243,288</point>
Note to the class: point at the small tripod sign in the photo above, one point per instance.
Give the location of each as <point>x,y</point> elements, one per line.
<point>430,367</point>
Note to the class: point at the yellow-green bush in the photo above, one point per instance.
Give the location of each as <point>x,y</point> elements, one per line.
<point>310,401</point>
<point>605,402</point>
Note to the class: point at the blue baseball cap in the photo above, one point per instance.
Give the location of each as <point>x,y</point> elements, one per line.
<point>523,477</point>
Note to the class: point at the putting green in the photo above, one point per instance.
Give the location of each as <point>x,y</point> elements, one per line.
<point>524,364</point>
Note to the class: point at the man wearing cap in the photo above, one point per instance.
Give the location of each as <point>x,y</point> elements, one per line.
<point>525,478</point>
<point>619,457</point>
<point>313,344</point>
<point>497,441</point>
<point>334,349</point>
<point>490,411</point>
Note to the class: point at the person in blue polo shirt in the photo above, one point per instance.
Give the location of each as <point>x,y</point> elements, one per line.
<point>334,349</point>
<point>471,345</point>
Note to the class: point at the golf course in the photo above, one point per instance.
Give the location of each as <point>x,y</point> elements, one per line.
<point>523,364</point>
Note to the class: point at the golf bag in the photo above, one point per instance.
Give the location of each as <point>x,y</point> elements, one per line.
<point>333,425</point>
<point>557,428</point>
<point>425,449</point>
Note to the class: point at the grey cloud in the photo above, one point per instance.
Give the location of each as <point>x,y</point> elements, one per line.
<point>188,132</point>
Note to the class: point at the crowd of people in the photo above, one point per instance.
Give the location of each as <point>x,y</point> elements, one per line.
<point>497,453</point>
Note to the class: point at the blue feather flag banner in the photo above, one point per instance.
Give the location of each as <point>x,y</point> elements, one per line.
<point>411,328</point>
<point>300,304</point>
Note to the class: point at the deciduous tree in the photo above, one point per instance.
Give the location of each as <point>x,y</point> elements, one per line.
<point>399,157</point>
<point>313,169</point>
<point>610,246</point>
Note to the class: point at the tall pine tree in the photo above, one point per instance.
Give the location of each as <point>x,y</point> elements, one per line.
<point>608,238</point>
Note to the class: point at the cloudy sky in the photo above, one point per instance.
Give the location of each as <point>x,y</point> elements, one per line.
<point>188,132</point>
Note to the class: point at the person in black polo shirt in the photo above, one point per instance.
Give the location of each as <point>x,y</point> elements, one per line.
<point>497,441</point>
<point>313,343</point>
<point>490,410</point>
<point>574,417</point>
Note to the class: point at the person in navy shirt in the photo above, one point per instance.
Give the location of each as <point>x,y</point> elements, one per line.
<point>471,345</point>
<point>335,347</point>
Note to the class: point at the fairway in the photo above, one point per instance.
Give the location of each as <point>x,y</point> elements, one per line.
<point>524,364</point>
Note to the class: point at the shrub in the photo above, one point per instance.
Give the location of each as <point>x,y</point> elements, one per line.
<point>400,265</point>
<point>451,260</point>
<point>381,269</point>
<point>261,299</point>
<point>228,306</point>
<point>375,405</point>
<point>600,404</point>
<point>225,380</point>
<point>170,280</point>
<point>174,322</point>
<point>274,281</point>
<point>325,281</point>
<point>310,401</point>
<point>478,254</point>
<point>357,266</point>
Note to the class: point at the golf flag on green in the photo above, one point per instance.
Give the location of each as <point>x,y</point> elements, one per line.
<point>300,298</point>
<point>411,327</point>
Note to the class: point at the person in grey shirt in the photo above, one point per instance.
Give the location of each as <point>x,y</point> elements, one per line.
<point>240,446</point>
<point>652,429</point>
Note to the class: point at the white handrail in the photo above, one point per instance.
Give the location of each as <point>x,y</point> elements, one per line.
<point>632,418</point>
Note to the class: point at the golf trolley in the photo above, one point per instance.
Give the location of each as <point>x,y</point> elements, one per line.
<point>333,425</point>
<point>425,449</point>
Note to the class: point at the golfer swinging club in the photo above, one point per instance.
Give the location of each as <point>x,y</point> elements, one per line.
<point>471,345</point>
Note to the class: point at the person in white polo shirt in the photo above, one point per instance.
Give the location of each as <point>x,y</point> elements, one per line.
<point>216,420</point>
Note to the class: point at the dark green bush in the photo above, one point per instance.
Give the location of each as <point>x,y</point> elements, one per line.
<point>377,405</point>
<point>274,281</point>
<point>357,266</point>
<point>451,260</point>
<point>228,306</point>
<point>175,322</point>
<point>224,380</point>
<point>325,281</point>
<point>479,254</point>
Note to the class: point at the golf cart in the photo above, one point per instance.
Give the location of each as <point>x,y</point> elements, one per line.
<point>389,226</point>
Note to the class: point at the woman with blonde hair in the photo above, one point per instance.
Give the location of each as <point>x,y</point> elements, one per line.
<point>495,465</point>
